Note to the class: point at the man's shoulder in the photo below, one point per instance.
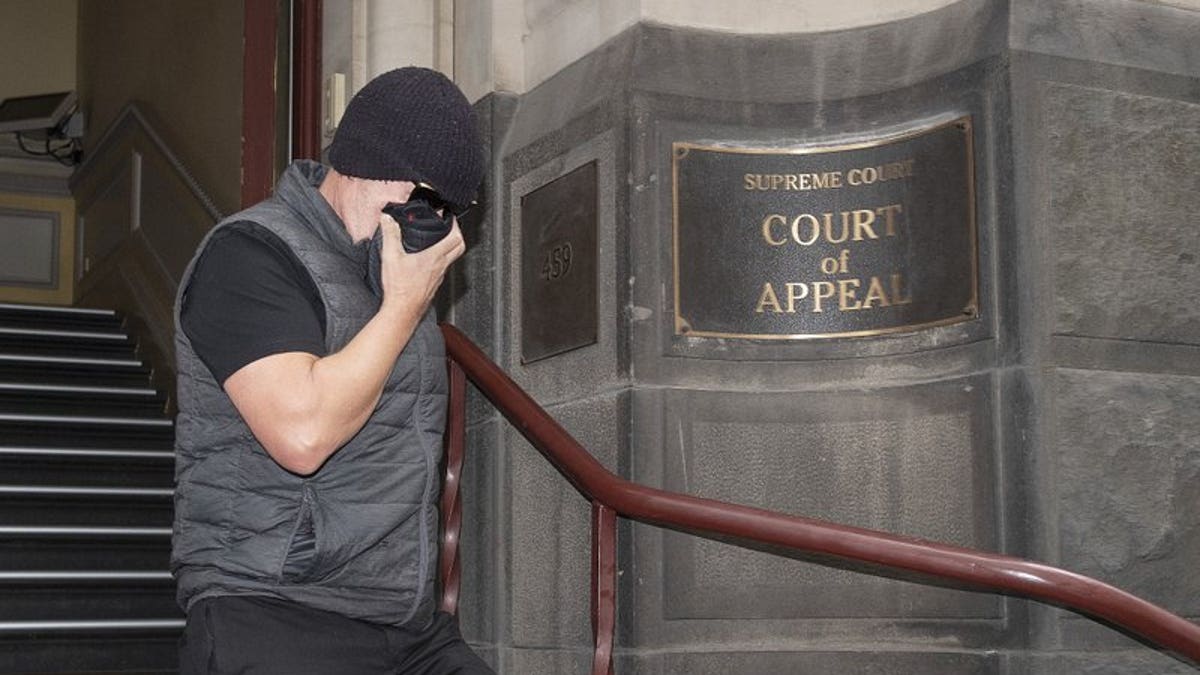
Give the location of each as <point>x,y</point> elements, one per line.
<point>246,235</point>
<point>245,256</point>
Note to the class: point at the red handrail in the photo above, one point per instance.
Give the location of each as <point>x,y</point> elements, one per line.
<point>610,493</point>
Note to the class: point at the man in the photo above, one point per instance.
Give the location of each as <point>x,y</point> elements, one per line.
<point>312,403</point>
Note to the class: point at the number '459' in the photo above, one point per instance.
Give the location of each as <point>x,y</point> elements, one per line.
<point>557,262</point>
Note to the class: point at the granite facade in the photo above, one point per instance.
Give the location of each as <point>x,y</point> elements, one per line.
<point>1058,425</point>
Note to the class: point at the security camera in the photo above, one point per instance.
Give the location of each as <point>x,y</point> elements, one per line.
<point>44,112</point>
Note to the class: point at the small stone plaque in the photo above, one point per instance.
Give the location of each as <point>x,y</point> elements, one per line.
<point>558,265</point>
<point>864,237</point>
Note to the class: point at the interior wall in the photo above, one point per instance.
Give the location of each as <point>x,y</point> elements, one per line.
<point>37,215</point>
<point>37,46</point>
<point>182,63</point>
<point>37,236</point>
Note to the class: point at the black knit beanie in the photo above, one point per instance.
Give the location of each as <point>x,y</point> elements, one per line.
<point>411,124</point>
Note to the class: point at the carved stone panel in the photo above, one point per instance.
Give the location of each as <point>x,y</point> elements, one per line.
<point>913,461</point>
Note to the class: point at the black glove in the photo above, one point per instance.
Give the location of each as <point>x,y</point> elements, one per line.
<point>420,226</point>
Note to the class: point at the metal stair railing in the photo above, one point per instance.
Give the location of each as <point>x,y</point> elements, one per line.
<point>612,496</point>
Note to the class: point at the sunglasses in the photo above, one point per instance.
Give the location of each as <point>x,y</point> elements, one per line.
<point>426,193</point>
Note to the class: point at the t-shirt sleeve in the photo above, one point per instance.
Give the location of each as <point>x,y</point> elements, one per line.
<point>249,297</point>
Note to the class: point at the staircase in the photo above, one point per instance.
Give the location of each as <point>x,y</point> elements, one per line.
<point>86,474</point>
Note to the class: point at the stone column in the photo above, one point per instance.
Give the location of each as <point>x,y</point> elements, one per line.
<point>1057,425</point>
<point>1106,100</point>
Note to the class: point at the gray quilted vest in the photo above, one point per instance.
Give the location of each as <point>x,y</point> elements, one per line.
<point>370,508</point>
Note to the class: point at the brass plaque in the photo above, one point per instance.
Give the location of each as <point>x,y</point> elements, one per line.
<point>558,265</point>
<point>836,240</point>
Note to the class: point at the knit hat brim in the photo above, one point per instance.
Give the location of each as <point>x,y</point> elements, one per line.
<point>411,124</point>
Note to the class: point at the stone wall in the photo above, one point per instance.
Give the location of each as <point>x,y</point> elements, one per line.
<point>1058,425</point>
<point>1106,127</point>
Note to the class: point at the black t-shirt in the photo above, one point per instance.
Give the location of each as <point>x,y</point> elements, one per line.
<point>250,297</point>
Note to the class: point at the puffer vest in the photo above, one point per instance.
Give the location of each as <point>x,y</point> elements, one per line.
<point>371,506</point>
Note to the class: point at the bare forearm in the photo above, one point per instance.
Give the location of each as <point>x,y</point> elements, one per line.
<point>346,385</point>
<point>302,408</point>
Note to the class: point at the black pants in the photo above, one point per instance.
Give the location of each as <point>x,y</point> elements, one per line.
<point>263,636</point>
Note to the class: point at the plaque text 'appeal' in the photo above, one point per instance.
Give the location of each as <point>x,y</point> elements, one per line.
<point>855,239</point>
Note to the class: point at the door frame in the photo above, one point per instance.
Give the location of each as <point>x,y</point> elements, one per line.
<point>280,88</point>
